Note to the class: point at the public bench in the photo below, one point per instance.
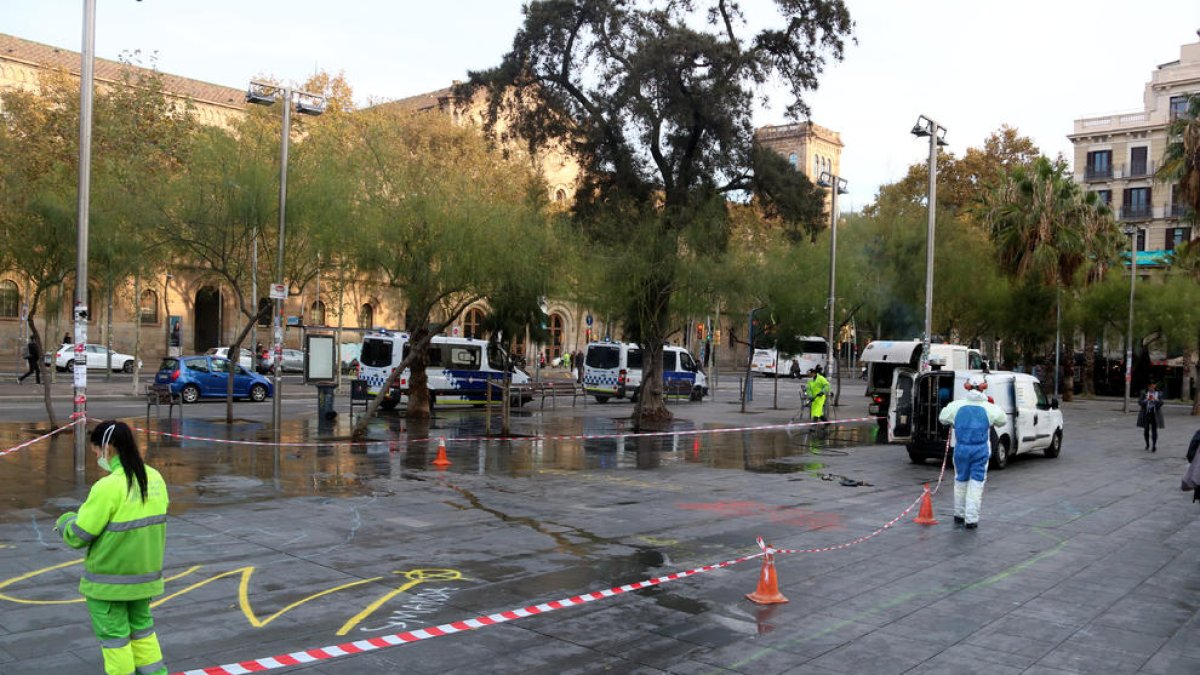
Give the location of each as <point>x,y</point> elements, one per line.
<point>158,395</point>
<point>553,389</point>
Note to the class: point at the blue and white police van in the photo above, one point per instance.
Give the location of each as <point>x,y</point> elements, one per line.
<point>614,370</point>
<point>458,373</point>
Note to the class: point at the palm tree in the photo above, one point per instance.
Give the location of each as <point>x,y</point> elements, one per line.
<point>1047,231</point>
<point>1181,160</point>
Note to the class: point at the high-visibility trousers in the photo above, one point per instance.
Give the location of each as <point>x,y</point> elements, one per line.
<point>125,630</point>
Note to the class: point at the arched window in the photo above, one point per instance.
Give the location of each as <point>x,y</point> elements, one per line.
<point>560,195</point>
<point>10,300</point>
<point>366,316</point>
<point>794,160</point>
<point>148,308</point>
<point>471,323</point>
<point>317,315</point>
<point>556,335</point>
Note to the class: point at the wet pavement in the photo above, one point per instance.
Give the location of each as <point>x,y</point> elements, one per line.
<point>1085,563</point>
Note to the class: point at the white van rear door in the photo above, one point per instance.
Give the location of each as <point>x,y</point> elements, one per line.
<point>1026,421</point>
<point>900,408</point>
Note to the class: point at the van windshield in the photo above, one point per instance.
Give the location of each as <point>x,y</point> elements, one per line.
<point>976,361</point>
<point>881,374</point>
<point>668,361</point>
<point>376,353</point>
<point>605,358</point>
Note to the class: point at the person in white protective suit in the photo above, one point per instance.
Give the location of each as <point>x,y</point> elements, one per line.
<point>972,419</point>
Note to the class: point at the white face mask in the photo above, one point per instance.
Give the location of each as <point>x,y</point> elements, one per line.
<point>103,462</point>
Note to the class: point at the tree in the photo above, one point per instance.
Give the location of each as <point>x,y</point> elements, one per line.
<point>1185,268</point>
<point>655,102</point>
<point>1181,159</point>
<point>445,221</point>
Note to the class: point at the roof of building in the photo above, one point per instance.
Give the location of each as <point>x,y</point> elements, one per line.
<point>426,101</point>
<point>38,55</point>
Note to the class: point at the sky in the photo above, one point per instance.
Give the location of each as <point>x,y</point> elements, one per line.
<point>1036,65</point>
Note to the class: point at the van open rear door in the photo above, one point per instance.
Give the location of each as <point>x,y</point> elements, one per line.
<point>900,409</point>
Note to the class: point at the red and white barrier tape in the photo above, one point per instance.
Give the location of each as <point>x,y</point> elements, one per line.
<point>370,644</point>
<point>463,439</point>
<point>43,437</point>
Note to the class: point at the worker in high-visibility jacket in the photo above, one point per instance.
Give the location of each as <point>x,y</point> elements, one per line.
<point>972,418</point>
<point>818,391</point>
<point>123,526</point>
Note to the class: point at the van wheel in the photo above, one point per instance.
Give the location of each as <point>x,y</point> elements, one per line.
<point>915,457</point>
<point>999,459</point>
<point>1055,446</point>
<point>601,399</point>
<point>697,394</point>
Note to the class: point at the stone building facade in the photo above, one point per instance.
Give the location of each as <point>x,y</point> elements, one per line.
<point>1116,156</point>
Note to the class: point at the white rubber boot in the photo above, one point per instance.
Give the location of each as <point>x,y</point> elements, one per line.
<point>960,500</point>
<point>974,502</point>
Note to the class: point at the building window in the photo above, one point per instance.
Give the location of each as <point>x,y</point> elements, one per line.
<point>366,316</point>
<point>10,300</point>
<point>560,195</point>
<point>1141,239</point>
<point>1099,165</point>
<point>266,311</point>
<point>317,315</point>
<point>1137,162</point>
<point>1179,107</point>
<point>1177,236</point>
<point>1105,197</point>
<point>472,321</point>
<point>148,309</point>
<point>1136,204</point>
<point>794,160</point>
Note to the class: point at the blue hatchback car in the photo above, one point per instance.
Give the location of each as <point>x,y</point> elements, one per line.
<point>197,377</point>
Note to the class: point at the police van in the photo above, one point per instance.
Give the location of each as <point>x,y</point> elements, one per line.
<point>458,372</point>
<point>614,370</point>
<point>1034,420</point>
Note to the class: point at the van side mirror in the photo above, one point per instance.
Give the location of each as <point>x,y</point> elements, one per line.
<point>1054,404</point>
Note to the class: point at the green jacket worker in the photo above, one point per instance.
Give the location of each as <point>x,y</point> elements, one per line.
<point>123,526</point>
<point>818,391</point>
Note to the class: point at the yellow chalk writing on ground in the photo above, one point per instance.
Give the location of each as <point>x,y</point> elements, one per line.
<point>413,578</point>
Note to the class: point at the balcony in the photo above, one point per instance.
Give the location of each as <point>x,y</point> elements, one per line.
<point>1179,211</point>
<point>1136,212</point>
<point>1097,173</point>
<point>1138,170</point>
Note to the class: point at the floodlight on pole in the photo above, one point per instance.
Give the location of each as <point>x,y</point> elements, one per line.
<point>836,186</point>
<point>927,127</point>
<point>265,93</point>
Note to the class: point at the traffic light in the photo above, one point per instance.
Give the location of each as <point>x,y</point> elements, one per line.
<point>588,335</point>
<point>700,331</point>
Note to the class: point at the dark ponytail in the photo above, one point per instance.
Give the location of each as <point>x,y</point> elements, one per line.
<point>121,438</point>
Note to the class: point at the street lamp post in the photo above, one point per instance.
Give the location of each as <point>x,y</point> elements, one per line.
<point>80,313</point>
<point>1131,231</point>
<point>837,186</point>
<point>262,93</point>
<point>926,126</point>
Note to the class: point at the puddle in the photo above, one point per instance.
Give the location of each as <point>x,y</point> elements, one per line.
<point>204,472</point>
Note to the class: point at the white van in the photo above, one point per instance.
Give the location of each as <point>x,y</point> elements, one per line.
<point>883,357</point>
<point>771,362</point>
<point>1034,421</point>
<point>614,370</point>
<point>459,369</point>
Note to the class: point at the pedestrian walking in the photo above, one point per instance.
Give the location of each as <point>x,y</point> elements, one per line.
<point>972,418</point>
<point>123,526</point>
<point>578,361</point>
<point>67,339</point>
<point>33,356</point>
<point>1150,415</point>
<point>1191,479</point>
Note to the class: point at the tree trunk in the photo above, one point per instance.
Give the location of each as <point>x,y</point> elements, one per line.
<point>360,428</point>
<point>37,339</point>
<point>420,399</point>
<point>235,357</point>
<point>651,405</point>
<point>1089,365</point>
<point>108,338</point>
<point>137,332</point>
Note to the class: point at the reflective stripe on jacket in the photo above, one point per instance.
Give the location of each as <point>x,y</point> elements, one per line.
<point>125,537</point>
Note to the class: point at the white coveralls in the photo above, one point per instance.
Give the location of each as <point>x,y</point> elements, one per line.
<point>972,419</point>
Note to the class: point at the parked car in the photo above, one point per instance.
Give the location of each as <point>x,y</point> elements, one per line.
<point>97,357</point>
<point>197,377</point>
<point>246,360</point>
<point>293,361</point>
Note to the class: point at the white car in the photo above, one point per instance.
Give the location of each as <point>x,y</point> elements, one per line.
<point>246,360</point>
<point>97,357</point>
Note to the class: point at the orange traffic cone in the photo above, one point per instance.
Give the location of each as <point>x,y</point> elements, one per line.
<point>925,515</point>
<point>441,461</point>
<point>767,592</point>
